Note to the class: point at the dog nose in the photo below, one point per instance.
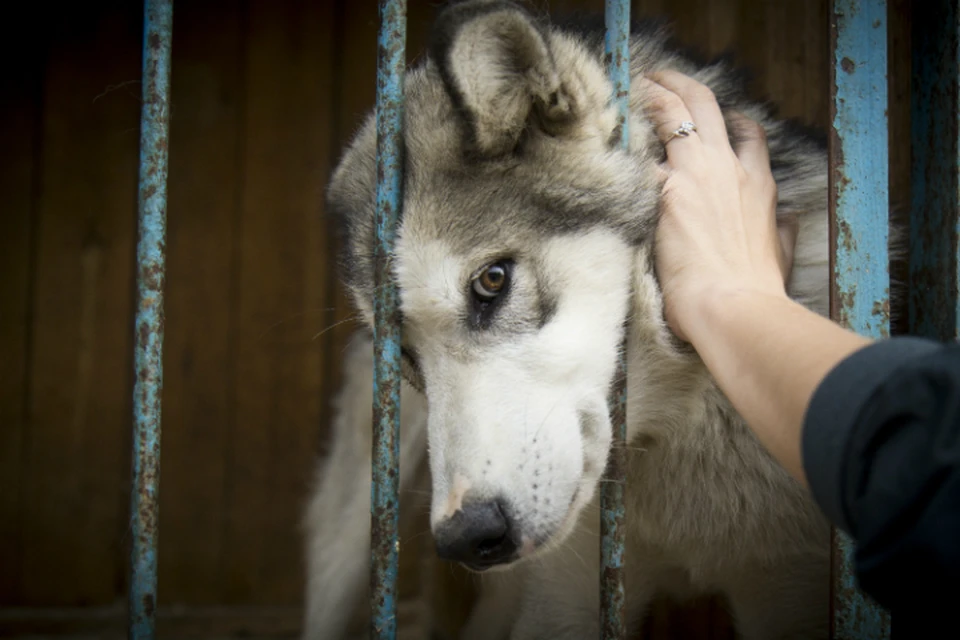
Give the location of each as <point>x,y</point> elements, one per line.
<point>479,535</point>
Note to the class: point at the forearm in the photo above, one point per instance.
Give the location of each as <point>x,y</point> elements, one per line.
<point>768,354</point>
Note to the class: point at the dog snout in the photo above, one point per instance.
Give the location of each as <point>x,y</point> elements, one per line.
<point>479,535</point>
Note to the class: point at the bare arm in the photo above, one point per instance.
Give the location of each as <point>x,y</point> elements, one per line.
<point>871,427</point>
<point>722,266</point>
<point>769,354</point>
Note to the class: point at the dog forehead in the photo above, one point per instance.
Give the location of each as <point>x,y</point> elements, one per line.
<point>553,187</point>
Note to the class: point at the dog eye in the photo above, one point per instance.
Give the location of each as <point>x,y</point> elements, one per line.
<point>492,281</point>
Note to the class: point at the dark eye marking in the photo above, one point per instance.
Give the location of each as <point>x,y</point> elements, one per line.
<point>410,369</point>
<point>488,289</point>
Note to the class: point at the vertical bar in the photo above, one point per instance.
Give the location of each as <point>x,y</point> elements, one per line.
<point>384,498</point>
<point>148,356</point>
<point>612,621</point>
<point>859,222</point>
<point>934,265</point>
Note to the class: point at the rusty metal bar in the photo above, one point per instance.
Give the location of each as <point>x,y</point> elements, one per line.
<point>148,355</point>
<point>385,488</point>
<point>612,532</point>
<point>859,227</point>
<point>935,189</point>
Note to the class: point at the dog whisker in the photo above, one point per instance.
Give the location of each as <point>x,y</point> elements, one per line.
<point>336,324</point>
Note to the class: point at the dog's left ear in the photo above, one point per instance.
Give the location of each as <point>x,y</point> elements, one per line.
<point>498,69</point>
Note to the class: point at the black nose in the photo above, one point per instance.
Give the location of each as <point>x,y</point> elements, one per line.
<point>479,535</point>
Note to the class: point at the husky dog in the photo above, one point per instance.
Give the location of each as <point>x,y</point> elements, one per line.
<point>523,259</point>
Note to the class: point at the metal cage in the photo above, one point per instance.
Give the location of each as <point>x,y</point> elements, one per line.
<point>859,205</point>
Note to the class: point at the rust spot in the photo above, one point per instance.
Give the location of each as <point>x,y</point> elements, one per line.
<point>148,604</point>
<point>151,276</point>
<point>143,334</point>
<point>846,236</point>
<point>881,311</point>
<point>848,65</point>
<point>845,300</point>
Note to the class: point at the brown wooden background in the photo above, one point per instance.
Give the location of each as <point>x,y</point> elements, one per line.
<point>265,92</point>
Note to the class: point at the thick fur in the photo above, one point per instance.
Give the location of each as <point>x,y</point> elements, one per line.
<point>510,154</point>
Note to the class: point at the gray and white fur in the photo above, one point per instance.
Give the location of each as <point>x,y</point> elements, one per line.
<point>511,161</point>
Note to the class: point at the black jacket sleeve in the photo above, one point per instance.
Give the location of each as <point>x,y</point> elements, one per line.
<point>881,450</point>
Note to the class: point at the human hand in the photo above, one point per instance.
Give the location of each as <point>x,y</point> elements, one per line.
<point>718,232</point>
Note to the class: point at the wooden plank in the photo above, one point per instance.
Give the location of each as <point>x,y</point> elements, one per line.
<point>690,20</point>
<point>934,308</point>
<point>19,181</point>
<point>204,186</point>
<point>353,81</point>
<point>281,282</point>
<point>751,46</point>
<point>815,73</point>
<point>335,323</point>
<point>774,38</point>
<point>110,623</point>
<point>720,17</point>
<point>75,494</point>
<point>649,8</point>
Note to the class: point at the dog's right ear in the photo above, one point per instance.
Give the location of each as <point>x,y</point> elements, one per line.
<point>497,66</point>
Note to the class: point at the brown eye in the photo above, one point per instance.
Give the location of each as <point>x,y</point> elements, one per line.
<point>491,281</point>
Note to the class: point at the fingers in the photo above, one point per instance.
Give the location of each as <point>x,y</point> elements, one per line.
<point>751,146</point>
<point>667,111</point>
<point>700,103</point>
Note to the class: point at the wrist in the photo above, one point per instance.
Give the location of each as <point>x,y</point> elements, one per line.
<point>710,309</point>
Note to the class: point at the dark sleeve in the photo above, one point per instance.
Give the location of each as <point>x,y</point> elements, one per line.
<point>881,450</point>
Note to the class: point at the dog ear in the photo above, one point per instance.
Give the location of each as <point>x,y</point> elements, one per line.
<point>498,69</point>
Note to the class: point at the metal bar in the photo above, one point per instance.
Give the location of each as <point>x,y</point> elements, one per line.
<point>934,265</point>
<point>612,532</point>
<point>148,332</point>
<point>859,223</point>
<point>385,488</point>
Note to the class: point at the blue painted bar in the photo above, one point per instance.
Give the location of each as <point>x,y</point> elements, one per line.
<point>934,306</point>
<point>859,205</point>
<point>385,488</point>
<point>148,332</point>
<point>612,532</point>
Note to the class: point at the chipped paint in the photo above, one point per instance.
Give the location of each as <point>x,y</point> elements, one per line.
<point>385,486</point>
<point>148,356</point>
<point>612,531</point>
<point>859,205</point>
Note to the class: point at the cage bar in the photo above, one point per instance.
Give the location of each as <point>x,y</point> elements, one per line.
<point>859,228</point>
<point>385,488</point>
<point>935,189</point>
<point>612,595</point>
<point>148,332</point>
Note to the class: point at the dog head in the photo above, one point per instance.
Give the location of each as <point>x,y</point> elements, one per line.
<point>515,260</point>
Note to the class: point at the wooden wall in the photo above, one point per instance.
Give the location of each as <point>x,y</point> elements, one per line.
<point>264,94</point>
